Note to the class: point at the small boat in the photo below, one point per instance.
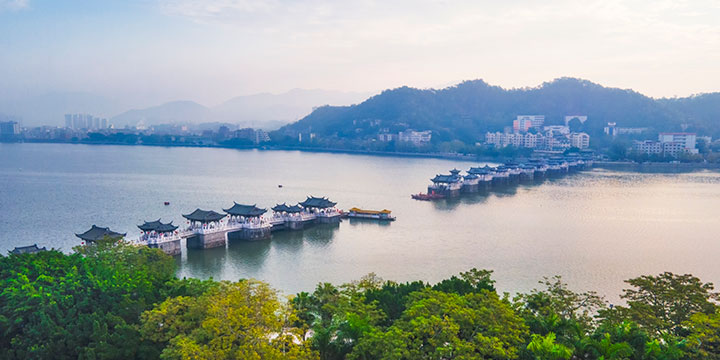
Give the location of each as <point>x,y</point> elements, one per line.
<point>427,197</point>
<point>357,213</point>
<point>166,203</point>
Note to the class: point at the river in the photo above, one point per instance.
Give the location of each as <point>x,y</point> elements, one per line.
<point>595,228</point>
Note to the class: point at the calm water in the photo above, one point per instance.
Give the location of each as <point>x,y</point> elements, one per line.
<point>595,229</point>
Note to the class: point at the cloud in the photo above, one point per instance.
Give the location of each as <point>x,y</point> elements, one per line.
<point>14,5</point>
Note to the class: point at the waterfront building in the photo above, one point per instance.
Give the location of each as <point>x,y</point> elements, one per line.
<point>289,217</point>
<point>448,185</point>
<point>514,172</point>
<point>485,177</point>
<point>686,140</point>
<point>322,208</point>
<point>668,144</point>
<point>30,249</point>
<point>470,183</point>
<point>206,228</point>
<point>9,130</point>
<point>163,236</point>
<point>249,222</point>
<point>527,173</point>
<point>98,233</point>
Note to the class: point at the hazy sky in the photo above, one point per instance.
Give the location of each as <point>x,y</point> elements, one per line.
<point>208,51</point>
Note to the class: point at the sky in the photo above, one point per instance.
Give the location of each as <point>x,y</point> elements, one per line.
<point>150,51</point>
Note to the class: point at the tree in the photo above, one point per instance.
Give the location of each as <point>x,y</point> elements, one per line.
<point>662,304</point>
<point>241,320</point>
<point>704,335</point>
<point>82,305</point>
<point>545,348</point>
<point>442,325</point>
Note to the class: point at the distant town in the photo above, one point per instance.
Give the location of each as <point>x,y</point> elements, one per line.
<point>526,135</point>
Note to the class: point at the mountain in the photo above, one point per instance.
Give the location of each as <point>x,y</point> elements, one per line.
<point>175,112</point>
<point>272,111</point>
<point>469,109</point>
<point>267,111</point>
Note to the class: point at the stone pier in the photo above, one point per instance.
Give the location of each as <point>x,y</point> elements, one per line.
<point>207,241</point>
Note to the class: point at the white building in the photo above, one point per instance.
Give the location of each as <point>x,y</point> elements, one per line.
<point>557,129</point>
<point>582,118</point>
<point>415,137</point>
<point>647,147</point>
<point>688,140</point>
<point>579,140</point>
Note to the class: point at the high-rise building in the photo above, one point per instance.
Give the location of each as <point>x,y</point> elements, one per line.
<point>687,140</point>
<point>525,122</point>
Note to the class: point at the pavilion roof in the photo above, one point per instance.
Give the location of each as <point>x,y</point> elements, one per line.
<point>288,209</point>
<point>445,179</point>
<point>30,249</point>
<point>97,233</point>
<point>480,170</point>
<point>204,216</point>
<point>470,176</point>
<point>316,202</point>
<point>158,226</point>
<point>245,210</point>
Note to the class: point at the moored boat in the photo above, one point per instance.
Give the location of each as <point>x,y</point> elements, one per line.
<point>427,197</point>
<point>357,213</point>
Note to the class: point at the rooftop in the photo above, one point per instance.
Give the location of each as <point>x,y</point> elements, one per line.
<point>31,249</point>
<point>445,179</point>
<point>204,216</point>
<point>245,210</point>
<point>316,202</point>
<point>97,233</point>
<point>288,209</point>
<point>158,226</point>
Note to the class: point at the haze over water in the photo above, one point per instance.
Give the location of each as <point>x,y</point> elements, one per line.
<point>595,228</point>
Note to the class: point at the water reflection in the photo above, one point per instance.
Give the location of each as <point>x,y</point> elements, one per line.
<point>321,235</point>
<point>207,261</point>
<point>358,222</point>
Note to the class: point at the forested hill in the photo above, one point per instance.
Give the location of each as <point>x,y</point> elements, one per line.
<point>466,111</point>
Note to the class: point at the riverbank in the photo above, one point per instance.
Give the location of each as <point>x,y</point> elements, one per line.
<point>655,167</point>
<point>651,167</point>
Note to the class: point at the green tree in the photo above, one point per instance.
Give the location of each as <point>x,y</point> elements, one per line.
<point>545,348</point>
<point>241,320</point>
<point>662,304</point>
<point>704,335</point>
<point>85,305</point>
<point>448,326</point>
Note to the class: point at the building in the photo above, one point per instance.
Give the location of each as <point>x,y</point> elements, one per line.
<point>581,118</point>
<point>579,140</point>
<point>387,137</point>
<point>85,122</point>
<point>523,123</point>
<point>557,129</point>
<point>612,130</point>
<point>9,130</point>
<point>687,140</point>
<point>417,138</point>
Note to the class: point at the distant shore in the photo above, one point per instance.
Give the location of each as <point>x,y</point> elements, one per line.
<point>609,165</point>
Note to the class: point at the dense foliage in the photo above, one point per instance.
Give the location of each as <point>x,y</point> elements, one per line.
<point>116,301</point>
